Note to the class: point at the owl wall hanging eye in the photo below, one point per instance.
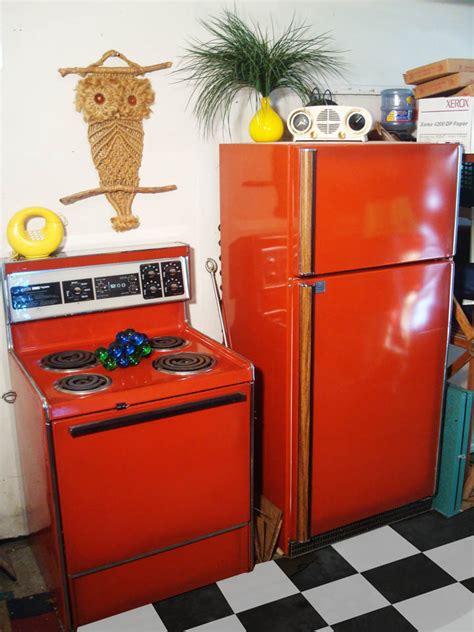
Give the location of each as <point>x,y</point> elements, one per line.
<point>114,101</point>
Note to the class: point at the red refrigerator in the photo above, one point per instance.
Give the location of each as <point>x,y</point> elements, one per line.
<point>337,279</point>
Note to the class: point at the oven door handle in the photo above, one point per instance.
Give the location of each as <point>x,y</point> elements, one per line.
<point>82,430</point>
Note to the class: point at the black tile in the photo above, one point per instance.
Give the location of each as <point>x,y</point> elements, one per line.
<point>315,569</point>
<point>193,608</point>
<point>431,529</point>
<point>32,606</point>
<point>408,578</point>
<point>469,583</point>
<point>291,614</point>
<point>384,620</point>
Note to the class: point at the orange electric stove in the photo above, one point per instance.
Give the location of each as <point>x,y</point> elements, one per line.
<point>137,480</point>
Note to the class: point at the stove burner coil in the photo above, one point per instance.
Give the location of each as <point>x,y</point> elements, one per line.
<point>184,363</point>
<point>167,343</point>
<point>83,383</point>
<point>71,360</point>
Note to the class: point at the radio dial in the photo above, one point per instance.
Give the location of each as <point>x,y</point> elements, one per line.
<point>301,122</point>
<point>356,121</point>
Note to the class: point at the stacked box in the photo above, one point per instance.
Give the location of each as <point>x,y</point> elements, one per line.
<point>447,120</point>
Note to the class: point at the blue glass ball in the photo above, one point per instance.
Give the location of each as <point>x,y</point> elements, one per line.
<point>138,338</point>
<point>115,350</point>
<point>130,348</point>
<point>121,337</point>
<point>123,362</point>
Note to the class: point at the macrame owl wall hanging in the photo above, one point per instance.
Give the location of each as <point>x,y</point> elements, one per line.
<point>114,101</point>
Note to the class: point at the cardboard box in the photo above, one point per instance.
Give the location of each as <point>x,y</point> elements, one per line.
<point>438,69</point>
<point>447,120</point>
<point>468,91</point>
<point>450,83</point>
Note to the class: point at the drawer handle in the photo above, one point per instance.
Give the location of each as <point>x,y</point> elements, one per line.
<point>82,430</point>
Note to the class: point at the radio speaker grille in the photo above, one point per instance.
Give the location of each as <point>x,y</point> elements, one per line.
<point>328,121</point>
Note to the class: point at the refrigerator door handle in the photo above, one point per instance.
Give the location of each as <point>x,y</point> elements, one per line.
<point>307,211</point>
<point>305,410</point>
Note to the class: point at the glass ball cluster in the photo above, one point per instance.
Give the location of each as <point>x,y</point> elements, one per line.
<point>128,349</point>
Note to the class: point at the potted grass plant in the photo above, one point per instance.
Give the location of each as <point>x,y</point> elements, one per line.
<point>239,56</point>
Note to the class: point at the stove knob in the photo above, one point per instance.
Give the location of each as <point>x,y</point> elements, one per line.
<point>150,274</point>
<point>174,287</point>
<point>76,290</point>
<point>153,289</point>
<point>173,272</point>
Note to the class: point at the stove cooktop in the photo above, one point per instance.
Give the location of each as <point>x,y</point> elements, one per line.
<point>83,383</point>
<point>70,360</point>
<point>182,362</point>
<point>168,343</point>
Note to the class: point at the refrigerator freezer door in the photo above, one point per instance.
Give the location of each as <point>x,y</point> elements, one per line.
<point>377,372</point>
<point>366,206</point>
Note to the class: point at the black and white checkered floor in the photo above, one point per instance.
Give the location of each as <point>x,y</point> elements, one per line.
<point>417,574</point>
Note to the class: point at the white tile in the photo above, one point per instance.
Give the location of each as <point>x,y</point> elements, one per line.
<point>375,548</point>
<point>345,598</point>
<point>448,609</point>
<point>264,584</point>
<point>227,624</point>
<point>456,558</point>
<point>144,619</point>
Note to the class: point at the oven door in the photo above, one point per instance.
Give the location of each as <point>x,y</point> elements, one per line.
<point>141,481</point>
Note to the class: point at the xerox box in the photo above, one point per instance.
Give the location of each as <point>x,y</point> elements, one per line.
<point>447,120</point>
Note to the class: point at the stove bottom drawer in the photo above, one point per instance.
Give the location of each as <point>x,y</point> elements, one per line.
<point>157,577</point>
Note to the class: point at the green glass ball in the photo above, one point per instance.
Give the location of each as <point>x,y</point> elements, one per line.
<point>145,349</point>
<point>101,353</point>
<point>134,359</point>
<point>109,363</point>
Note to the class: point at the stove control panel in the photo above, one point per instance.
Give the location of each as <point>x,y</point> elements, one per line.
<point>78,290</point>
<point>164,278</point>
<point>116,285</point>
<point>64,291</point>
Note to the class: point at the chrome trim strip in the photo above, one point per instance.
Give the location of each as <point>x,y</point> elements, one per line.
<point>29,377</point>
<point>6,307</point>
<point>55,489</point>
<point>171,547</point>
<point>252,477</point>
<point>450,317</point>
<point>458,198</point>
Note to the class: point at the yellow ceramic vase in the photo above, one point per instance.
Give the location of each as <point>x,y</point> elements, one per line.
<point>266,126</point>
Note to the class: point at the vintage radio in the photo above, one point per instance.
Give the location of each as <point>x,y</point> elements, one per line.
<point>330,123</point>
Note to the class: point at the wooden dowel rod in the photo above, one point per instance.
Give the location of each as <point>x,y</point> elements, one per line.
<point>82,195</point>
<point>123,70</point>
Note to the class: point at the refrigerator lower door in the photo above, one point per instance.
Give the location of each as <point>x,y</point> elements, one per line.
<point>377,371</point>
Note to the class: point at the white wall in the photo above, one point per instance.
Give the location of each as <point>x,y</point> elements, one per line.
<point>46,153</point>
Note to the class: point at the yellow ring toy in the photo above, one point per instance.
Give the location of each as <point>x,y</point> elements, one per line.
<point>37,243</point>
